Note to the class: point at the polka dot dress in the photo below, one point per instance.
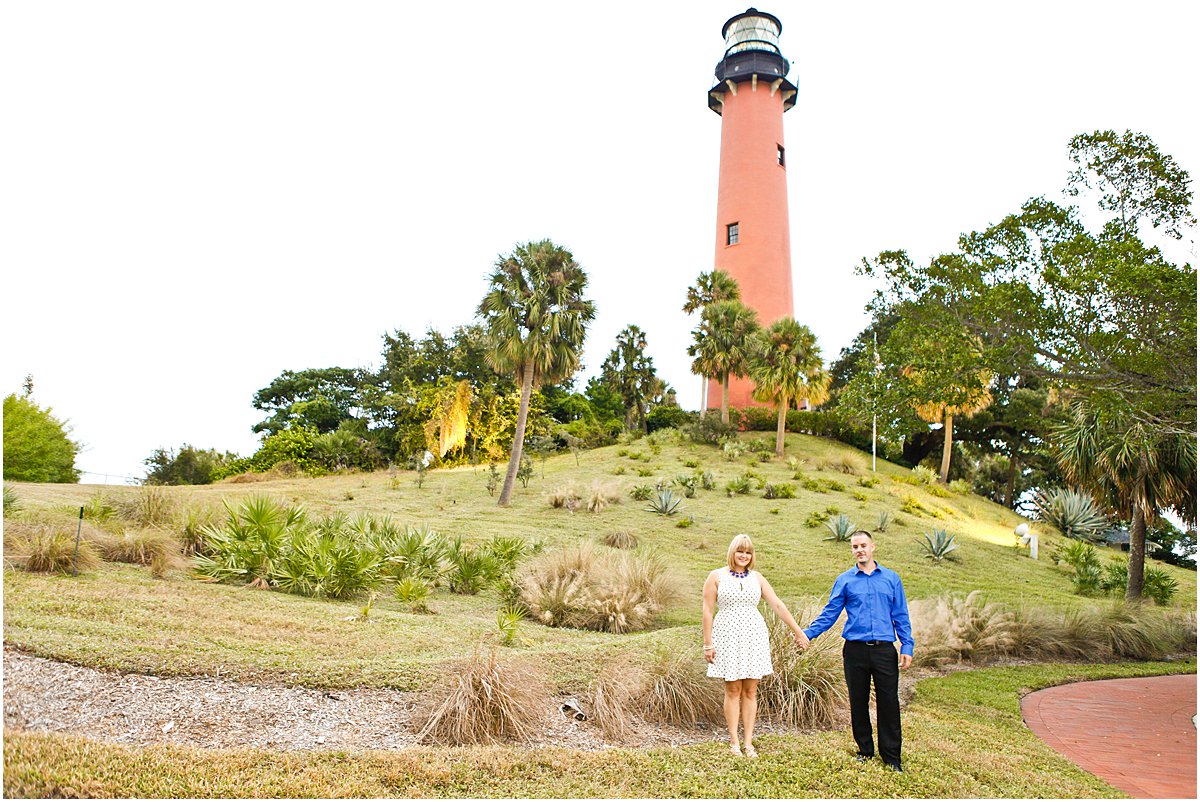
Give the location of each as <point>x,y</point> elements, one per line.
<point>739,632</point>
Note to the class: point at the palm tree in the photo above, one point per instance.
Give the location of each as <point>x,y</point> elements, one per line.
<point>722,344</point>
<point>710,288</point>
<point>536,318</point>
<point>1132,468</point>
<point>971,398</point>
<point>785,365</point>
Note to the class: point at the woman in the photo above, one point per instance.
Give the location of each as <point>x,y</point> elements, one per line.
<point>736,644</point>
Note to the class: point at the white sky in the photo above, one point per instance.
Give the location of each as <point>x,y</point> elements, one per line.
<point>197,196</point>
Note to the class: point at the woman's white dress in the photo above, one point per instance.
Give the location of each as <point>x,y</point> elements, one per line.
<point>739,632</point>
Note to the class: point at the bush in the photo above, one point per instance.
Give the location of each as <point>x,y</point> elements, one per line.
<point>470,569</point>
<point>668,417</point>
<point>847,463</point>
<point>188,466</point>
<point>413,592</point>
<point>608,590</point>
<point>709,430</point>
<point>11,502</point>
<point>708,481</point>
<point>642,492</point>
<point>1087,576</point>
<point>687,482</point>
<point>738,487</point>
<point>484,702</point>
<point>1073,513</point>
<point>36,446</point>
<point>621,540</point>
<point>960,486</point>
<point>781,490</point>
<point>815,519</point>
<point>1159,585</point>
<point>809,484</point>
<point>806,689</point>
<point>868,481</point>
<point>677,689</point>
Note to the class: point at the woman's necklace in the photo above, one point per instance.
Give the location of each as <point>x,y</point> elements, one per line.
<point>739,574</point>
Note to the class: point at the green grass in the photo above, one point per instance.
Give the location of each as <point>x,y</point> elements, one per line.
<point>119,617</point>
<point>963,738</point>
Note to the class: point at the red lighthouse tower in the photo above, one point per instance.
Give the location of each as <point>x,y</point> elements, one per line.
<point>752,243</point>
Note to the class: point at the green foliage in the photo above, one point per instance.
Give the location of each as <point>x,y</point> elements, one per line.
<point>868,481</point>
<point>708,481</point>
<point>858,495</point>
<point>781,490</point>
<point>815,519</point>
<point>508,621</point>
<point>687,482</point>
<point>664,502</point>
<point>11,502</point>
<point>664,416</point>
<point>938,545</point>
<point>960,486</point>
<point>188,466</point>
<point>36,446</point>
<point>721,343</point>
<point>1087,575</point>
<point>644,472</point>
<point>642,492</point>
<point>810,484</point>
<point>1072,512</point>
<point>525,471</point>
<point>709,430</point>
<point>413,592</point>
<point>493,479</point>
<point>685,523</point>
<point>841,528</point>
<point>691,463</point>
<point>1159,585</point>
<point>738,486</point>
<point>470,569</point>
<point>882,522</point>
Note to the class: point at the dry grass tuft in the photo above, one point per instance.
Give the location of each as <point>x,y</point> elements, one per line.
<point>151,505</point>
<point>677,689</point>
<point>487,702</point>
<point>955,628</point>
<point>605,590</point>
<point>46,548</point>
<point>154,547</point>
<point>807,689</point>
<point>565,497</point>
<point>602,494</point>
<point>621,540</point>
<point>611,697</point>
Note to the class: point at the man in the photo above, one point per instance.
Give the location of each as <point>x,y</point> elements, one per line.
<point>876,616</point>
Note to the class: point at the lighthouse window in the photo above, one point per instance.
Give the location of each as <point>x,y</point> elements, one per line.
<point>780,148</point>
<point>731,234</point>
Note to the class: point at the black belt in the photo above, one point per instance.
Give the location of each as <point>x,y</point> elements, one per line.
<point>874,642</point>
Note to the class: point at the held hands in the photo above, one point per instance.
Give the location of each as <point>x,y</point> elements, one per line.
<point>905,661</point>
<point>709,653</point>
<point>801,640</point>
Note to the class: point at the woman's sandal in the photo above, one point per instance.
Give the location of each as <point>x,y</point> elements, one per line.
<point>735,750</point>
<point>751,752</point>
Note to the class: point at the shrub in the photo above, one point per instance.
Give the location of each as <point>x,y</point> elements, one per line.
<point>738,487</point>
<point>956,628</point>
<point>642,492</point>
<point>834,484</point>
<point>691,463</point>
<point>758,446</point>
<point>188,466</point>
<point>620,540</point>
<point>841,528</point>
<point>687,482</point>
<point>810,484</point>
<point>99,508</point>
<point>868,481</point>
<point>156,548</point>
<point>193,520</point>
<point>413,591</point>
<point>493,479</point>
<point>1159,585</point>
<point>922,476</point>
<point>645,472</point>
<point>416,552</point>
<point>46,548</point>
<point>505,552</point>
<point>732,450</point>
<point>619,470</point>
<point>858,495</point>
<point>1087,575</point>
<point>11,502</point>
<point>707,481</point>
<point>806,689</point>
<point>709,430</point>
<point>912,505</point>
<point>508,621</point>
<point>815,519</point>
<point>664,502</point>
<point>566,497</point>
<point>938,545</point>
<point>668,417</point>
<point>611,591</point>
<point>1073,513</point>
<point>677,689</point>
<point>847,463</point>
<point>486,702</point>
<point>611,697</point>
<point>781,490</point>
<point>36,446</point>
<point>470,569</point>
<point>251,542</point>
<point>960,486</point>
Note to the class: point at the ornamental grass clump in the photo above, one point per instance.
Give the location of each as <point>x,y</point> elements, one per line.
<point>151,505</point>
<point>806,689</point>
<point>956,628</point>
<point>484,701</point>
<point>611,697</point>
<point>586,587</point>
<point>46,548</point>
<point>677,690</point>
<point>154,547</point>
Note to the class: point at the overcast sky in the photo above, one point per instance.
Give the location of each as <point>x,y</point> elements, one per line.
<point>195,197</point>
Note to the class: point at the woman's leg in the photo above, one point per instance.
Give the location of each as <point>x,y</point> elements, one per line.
<point>749,712</point>
<point>733,705</point>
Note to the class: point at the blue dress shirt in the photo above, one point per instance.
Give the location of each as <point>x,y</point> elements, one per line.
<point>875,608</point>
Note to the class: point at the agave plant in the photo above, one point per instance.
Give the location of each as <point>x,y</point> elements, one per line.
<point>1073,513</point>
<point>939,545</point>
<point>841,528</point>
<point>664,503</point>
<point>884,521</point>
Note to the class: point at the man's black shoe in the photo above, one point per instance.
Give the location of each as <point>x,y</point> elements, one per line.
<point>861,758</point>
<point>894,767</point>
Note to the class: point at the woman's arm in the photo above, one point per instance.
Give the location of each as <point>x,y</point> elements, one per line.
<point>782,611</point>
<point>710,604</point>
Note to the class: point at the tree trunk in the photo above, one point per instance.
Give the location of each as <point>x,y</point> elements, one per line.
<point>514,461</point>
<point>947,444</point>
<point>780,425</point>
<point>1012,482</point>
<point>725,400</point>
<point>918,446</point>
<point>1137,555</point>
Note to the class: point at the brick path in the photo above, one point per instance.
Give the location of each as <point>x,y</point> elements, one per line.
<point>1137,734</point>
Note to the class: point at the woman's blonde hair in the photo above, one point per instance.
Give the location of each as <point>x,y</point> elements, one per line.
<point>740,543</point>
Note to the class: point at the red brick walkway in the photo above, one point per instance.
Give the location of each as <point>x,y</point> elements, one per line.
<point>1137,734</point>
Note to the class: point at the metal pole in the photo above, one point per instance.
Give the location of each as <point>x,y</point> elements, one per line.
<point>78,532</point>
<point>874,392</point>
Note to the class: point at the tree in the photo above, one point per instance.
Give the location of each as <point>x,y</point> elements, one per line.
<point>320,399</point>
<point>629,372</point>
<point>785,366</point>
<point>1133,467</point>
<point>536,319</point>
<point>709,288</point>
<point>36,446</point>
<point>722,344</point>
<point>188,466</point>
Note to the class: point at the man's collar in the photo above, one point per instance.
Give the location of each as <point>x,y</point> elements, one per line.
<point>858,570</point>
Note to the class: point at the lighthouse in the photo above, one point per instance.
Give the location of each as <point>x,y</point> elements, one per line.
<point>752,242</point>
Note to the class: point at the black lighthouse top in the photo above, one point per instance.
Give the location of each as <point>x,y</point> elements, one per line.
<point>752,54</point>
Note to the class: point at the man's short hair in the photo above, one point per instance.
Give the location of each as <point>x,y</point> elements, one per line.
<point>862,532</point>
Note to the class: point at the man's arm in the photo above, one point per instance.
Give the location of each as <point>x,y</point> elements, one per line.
<point>902,624</point>
<point>837,603</point>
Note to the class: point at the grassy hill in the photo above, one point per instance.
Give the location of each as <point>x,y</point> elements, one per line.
<point>120,617</point>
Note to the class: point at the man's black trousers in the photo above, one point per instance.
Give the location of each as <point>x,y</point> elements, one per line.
<point>879,662</point>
